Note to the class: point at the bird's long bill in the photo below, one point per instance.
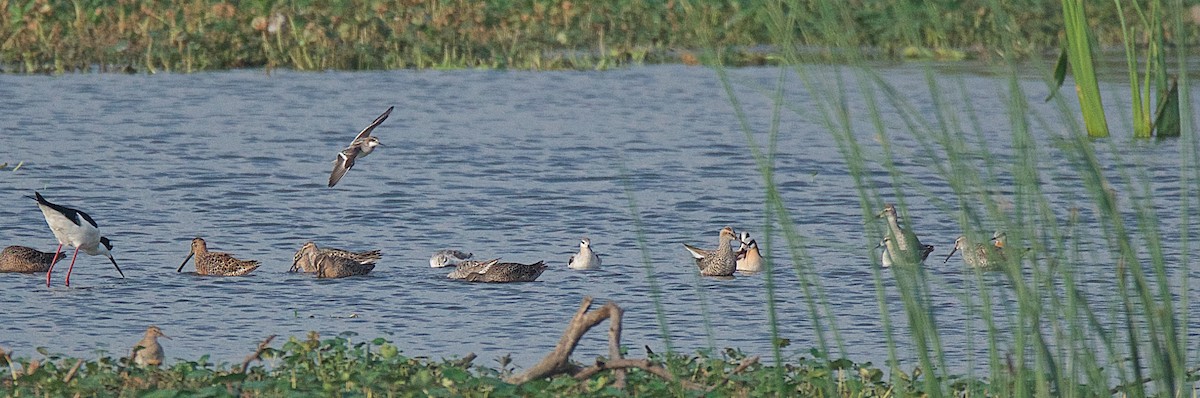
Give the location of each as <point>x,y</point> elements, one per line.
<point>114,261</point>
<point>295,265</point>
<point>189,257</point>
<point>950,255</point>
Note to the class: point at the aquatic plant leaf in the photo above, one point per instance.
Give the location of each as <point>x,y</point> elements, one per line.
<point>1060,73</point>
<point>1166,118</point>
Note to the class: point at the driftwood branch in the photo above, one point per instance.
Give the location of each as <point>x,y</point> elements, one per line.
<point>71,373</point>
<point>257,355</point>
<point>614,343</point>
<point>11,368</point>
<point>558,361</point>
<point>643,364</point>
<point>746,363</point>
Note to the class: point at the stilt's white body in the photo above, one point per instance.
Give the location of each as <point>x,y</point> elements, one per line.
<point>79,233</point>
<point>74,228</point>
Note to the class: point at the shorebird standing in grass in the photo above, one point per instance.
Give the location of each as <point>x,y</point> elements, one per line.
<point>26,259</point>
<point>749,259</point>
<point>448,257</point>
<point>903,243</point>
<point>333,263</point>
<point>719,262</point>
<point>148,352</point>
<point>586,258</point>
<point>216,263</point>
<point>362,146</point>
<point>76,228</point>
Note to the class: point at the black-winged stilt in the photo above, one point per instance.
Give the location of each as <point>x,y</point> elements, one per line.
<point>75,228</point>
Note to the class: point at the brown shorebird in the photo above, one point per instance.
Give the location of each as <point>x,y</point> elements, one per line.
<point>586,258</point>
<point>75,228</point>
<point>719,262</point>
<point>26,259</point>
<point>362,146</point>
<point>901,243</point>
<point>979,255</point>
<point>887,245</point>
<point>216,263</point>
<point>749,259</point>
<point>495,271</point>
<point>448,257</point>
<point>148,352</point>
<point>333,263</point>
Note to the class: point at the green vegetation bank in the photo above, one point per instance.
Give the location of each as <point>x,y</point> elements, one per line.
<point>151,36</point>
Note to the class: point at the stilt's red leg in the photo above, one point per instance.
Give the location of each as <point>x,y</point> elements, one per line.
<point>72,266</point>
<point>56,251</point>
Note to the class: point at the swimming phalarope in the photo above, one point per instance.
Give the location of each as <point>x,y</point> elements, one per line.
<point>748,257</point>
<point>586,258</point>
<point>448,257</point>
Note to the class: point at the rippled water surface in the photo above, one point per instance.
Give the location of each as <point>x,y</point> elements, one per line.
<point>518,165</point>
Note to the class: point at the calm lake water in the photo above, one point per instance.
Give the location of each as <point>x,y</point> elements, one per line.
<point>518,165</point>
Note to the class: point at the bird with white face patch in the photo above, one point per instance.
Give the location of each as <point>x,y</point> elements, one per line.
<point>586,258</point>
<point>75,228</point>
<point>362,146</point>
<point>749,259</point>
<point>448,257</point>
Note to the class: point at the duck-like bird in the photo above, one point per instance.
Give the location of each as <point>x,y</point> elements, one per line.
<point>216,263</point>
<point>333,263</point>
<point>27,259</point>
<point>76,228</point>
<point>494,271</point>
<point>719,262</point>
<point>362,146</point>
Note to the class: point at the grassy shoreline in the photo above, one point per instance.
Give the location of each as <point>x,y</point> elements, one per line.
<point>45,36</point>
<point>337,366</point>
